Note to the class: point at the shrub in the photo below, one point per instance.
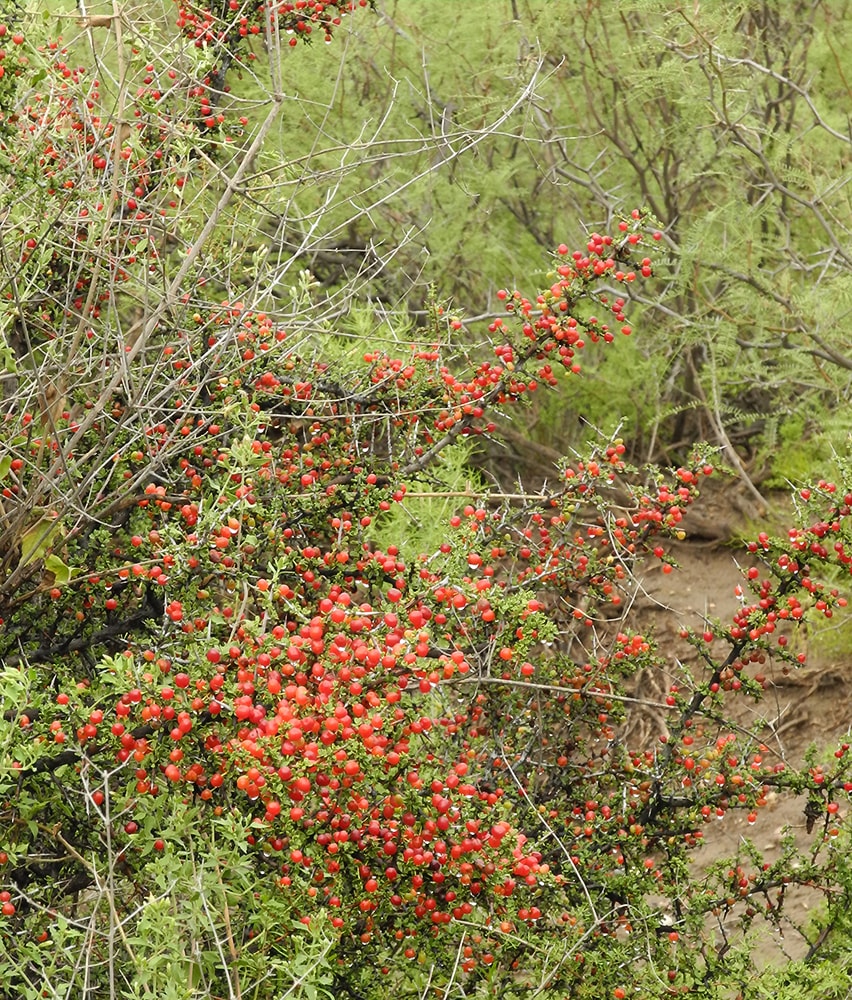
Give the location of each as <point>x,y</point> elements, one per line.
<point>253,746</point>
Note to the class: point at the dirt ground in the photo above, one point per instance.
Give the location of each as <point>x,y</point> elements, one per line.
<point>805,706</point>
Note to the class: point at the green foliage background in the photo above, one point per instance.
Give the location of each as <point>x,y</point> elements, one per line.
<point>456,148</point>
<point>726,120</point>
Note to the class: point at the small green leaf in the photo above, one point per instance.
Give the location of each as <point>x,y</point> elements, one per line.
<point>61,572</point>
<point>10,365</point>
<point>37,539</point>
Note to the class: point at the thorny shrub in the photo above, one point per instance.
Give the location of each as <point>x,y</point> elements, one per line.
<point>245,749</point>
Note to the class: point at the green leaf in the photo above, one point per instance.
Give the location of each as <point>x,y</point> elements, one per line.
<point>61,572</point>
<point>37,540</point>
